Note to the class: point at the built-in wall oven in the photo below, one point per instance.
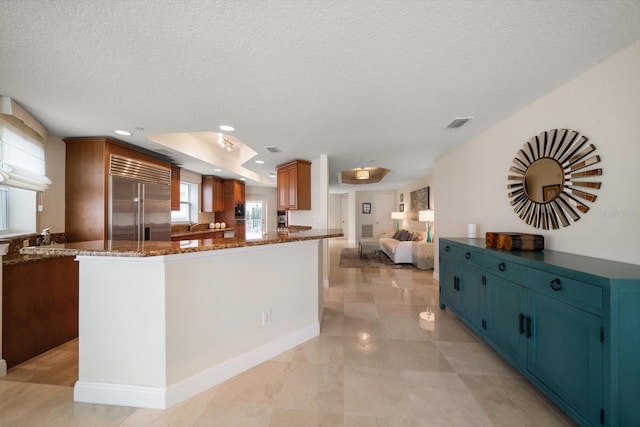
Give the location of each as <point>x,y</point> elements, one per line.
<point>282,219</point>
<point>239,211</point>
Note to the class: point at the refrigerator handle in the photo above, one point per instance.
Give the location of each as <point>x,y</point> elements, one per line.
<point>142,235</point>
<point>138,201</point>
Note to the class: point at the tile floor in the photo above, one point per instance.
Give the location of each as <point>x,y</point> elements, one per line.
<point>405,376</point>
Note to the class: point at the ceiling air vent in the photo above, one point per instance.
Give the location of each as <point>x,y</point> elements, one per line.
<point>273,149</point>
<point>458,122</point>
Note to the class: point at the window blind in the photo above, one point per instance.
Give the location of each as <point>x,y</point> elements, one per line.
<point>22,154</point>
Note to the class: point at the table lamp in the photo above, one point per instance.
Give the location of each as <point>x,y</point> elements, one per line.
<point>397,216</point>
<point>428,217</point>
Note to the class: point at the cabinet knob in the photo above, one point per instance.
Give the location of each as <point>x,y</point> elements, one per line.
<point>467,255</point>
<point>556,284</point>
<point>502,266</point>
<point>446,248</point>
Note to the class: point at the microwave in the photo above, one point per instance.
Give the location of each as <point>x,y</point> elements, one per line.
<point>239,211</point>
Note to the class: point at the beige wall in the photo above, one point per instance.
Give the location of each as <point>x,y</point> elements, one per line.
<point>52,216</point>
<point>425,181</point>
<point>604,105</point>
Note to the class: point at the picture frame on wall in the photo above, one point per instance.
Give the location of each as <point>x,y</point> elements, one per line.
<point>366,208</point>
<point>401,207</point>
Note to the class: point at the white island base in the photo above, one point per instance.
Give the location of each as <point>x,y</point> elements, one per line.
<point>154,331</point>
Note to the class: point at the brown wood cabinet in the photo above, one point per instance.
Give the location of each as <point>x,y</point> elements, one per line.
<point>39,307</point>
<point>294,185</point>
<point>175,188</point>
<point>87,184</point>
<point>212,194</point>
<point>234,193</point>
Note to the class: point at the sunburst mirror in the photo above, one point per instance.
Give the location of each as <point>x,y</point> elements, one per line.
<point>552,178</point>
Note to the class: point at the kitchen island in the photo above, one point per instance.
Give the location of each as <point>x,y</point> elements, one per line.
<point>162,321</point>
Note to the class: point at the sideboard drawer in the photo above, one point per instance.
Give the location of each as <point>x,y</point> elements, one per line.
<point>506,269</point>
<point>571,291</point>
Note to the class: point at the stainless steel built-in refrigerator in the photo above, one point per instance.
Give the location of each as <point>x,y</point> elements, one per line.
<point>139,200</point>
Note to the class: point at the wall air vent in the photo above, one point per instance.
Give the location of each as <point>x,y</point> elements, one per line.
<point>273,149</point>
<point>458,122</point>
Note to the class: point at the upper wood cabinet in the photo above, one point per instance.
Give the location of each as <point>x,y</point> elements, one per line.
<point>212,194</point>
<point>294,185</point>
<point>237,188</point>
<point>87,184</point>
<point>175,188</point>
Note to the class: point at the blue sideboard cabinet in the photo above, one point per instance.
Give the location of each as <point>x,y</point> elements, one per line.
<point>569,323</point>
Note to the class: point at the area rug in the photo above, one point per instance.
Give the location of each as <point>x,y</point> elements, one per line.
<point>350,258</point>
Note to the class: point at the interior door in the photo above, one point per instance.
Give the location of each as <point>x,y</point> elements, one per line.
<point>344,220</point>
<point>383,205</point>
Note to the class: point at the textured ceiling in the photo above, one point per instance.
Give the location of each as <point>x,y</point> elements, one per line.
<point>369,83</point>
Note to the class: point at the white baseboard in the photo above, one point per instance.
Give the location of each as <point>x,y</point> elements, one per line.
<point>163,398</point>
<point>3,365</point>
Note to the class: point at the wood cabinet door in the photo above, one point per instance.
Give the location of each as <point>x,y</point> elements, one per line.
<point>449,294</point>
<point>292,179</point>
<point>206,194</point>
<point>472,295</point>
<point>506,317</point>
<point>175,188</point>
<point>238,192</point>
<point>218,195</point>
<point>283,189</point>
<point>565,353</point>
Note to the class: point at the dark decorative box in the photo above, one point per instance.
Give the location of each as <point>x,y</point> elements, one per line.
<point>515,241</point>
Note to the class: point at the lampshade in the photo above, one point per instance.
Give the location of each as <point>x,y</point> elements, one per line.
<point>397,215</point>
<point>362,174</point>
<point>426,216</point>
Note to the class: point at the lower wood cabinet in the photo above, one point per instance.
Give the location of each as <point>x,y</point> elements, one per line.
<point>565,321</point>
<point>39,307</point>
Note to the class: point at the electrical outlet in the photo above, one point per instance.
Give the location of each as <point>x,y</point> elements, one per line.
<point>25,243</point>
<point>266,317</point>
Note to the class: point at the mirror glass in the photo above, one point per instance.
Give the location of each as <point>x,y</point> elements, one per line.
<point>543,180</point>
<point>552,178</point>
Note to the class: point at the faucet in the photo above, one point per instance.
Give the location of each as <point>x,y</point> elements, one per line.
<point>45,238</point>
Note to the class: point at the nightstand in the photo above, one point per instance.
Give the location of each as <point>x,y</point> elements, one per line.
<point>422,255</point>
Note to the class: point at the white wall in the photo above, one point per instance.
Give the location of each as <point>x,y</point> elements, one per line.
<point>604,105</point>
<point>52,215</point>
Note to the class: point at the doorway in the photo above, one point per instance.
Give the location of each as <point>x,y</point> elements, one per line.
<point>383,205</point>
<point>254,219</point>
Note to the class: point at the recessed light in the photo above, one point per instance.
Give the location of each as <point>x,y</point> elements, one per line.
<point>227,128</point>
<point>243,179</point>
<point>217,170</point>
<point>272,175</point>
<point>259,162</point>
<point>122,132</point>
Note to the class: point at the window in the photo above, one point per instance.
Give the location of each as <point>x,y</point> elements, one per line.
<point>22,155</point>
<point>22,168</point>
<point>4,209</point>
<point>188,203</point>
